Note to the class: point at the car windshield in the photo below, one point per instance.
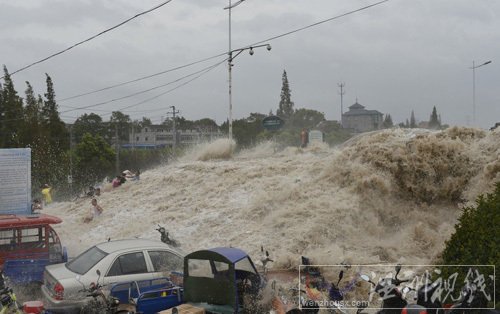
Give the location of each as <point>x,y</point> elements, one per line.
<point>85,261</point>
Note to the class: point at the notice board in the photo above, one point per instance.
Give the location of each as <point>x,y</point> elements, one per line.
<point>15,181</point>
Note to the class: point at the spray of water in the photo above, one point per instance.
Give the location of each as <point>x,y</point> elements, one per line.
<point>388,196</point>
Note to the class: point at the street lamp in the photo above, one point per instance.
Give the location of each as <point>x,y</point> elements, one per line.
<point>474,67</point>
<point>230,65</point>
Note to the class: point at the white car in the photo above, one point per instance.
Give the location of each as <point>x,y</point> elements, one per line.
<point>118,261</point>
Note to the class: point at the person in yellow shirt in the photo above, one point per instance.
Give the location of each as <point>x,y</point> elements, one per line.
<point>46,194</point>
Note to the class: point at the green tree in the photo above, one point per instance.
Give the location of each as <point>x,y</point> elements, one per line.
<point>206,124</point>
<point>11,115</point>
<point>476,240</point>
<point>247,130</point>
<point>88,123</point>
<point>388,121</point>
<point>32,129</point>
<point>305,118</point>
<point>413,122</point>
<point>334,132</point>
<point>57,132</point>
<point>285,109</point>
<point>120,123</point>
<point>94,160</point>
<point>145,122</point>
<point>434,119</point>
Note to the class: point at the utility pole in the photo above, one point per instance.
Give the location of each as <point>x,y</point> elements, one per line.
<point>174,131</point>
<point>230,65</point>
<point>70,178</point>
<point>117,148</point>
<point>342,93</point>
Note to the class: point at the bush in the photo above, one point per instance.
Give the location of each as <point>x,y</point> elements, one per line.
<point>476,240</point>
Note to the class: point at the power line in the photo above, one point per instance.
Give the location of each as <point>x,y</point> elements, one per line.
<point>266,40</point>
<point>147,90</point>
<point>90,38</point>
<point>318,23</point>
<point>171,90</point>
<point>141,78</point>
<point>221,54</point>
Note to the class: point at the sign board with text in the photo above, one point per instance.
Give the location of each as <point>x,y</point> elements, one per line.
<point>272,123</point>
<point>15,181</point>
<point>315,136</point>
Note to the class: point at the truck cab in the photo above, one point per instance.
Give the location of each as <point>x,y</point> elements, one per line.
<point>27,245</point>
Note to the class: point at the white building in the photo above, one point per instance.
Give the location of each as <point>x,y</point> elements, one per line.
<point>157,136</point>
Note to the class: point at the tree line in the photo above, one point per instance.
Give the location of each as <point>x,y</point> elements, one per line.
<point>87,149</point>
<point>81,154</point>
<point>34,122</point>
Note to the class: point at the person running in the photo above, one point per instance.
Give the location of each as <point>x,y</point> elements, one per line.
<point>46,194</point>
<point>95,211</point>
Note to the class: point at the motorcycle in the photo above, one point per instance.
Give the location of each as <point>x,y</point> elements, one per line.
<point>387,288</point>
<point>102,304</point>
<point>8,300</point>
<point>165,237</point>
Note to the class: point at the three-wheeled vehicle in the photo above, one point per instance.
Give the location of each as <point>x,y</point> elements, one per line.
<point>27,245</point>
<point>221,281</point>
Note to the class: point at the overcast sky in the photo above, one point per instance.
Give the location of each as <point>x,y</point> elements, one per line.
<point>396,57</point>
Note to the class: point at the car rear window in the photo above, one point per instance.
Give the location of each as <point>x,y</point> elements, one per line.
<point>85,261</point>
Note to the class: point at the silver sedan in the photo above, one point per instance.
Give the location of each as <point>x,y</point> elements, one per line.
<point>118,261</point>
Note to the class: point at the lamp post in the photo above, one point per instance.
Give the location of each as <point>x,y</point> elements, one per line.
<point>230,64</point>
<point>474,67</point>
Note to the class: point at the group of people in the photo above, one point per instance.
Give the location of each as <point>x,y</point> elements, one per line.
<point>124,177</point>
<point>37,204</point>
<point>93,192</point>
<point>95,209</point>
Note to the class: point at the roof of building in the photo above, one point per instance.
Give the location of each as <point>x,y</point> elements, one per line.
<point>356,106</point>
<point>358,110</point>
<point>363,113</point>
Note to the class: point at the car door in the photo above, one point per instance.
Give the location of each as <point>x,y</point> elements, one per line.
<point>165,262</point>
<point>127,267</point>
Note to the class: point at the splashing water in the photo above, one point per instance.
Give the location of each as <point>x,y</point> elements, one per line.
<point>388,196</point>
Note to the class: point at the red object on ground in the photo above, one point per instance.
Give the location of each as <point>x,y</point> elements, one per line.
<point>33,307</point>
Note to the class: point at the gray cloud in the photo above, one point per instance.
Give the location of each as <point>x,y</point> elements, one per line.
<point>400,56</point>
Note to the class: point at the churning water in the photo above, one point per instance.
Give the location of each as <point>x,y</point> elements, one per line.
<point>388,196</point>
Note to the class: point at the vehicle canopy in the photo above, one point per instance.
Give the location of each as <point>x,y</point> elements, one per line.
<point>27,244</point>
<point>8,221</point>
<point>214,277</point>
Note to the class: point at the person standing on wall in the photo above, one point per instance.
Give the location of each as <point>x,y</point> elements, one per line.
<point>304,138</point>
